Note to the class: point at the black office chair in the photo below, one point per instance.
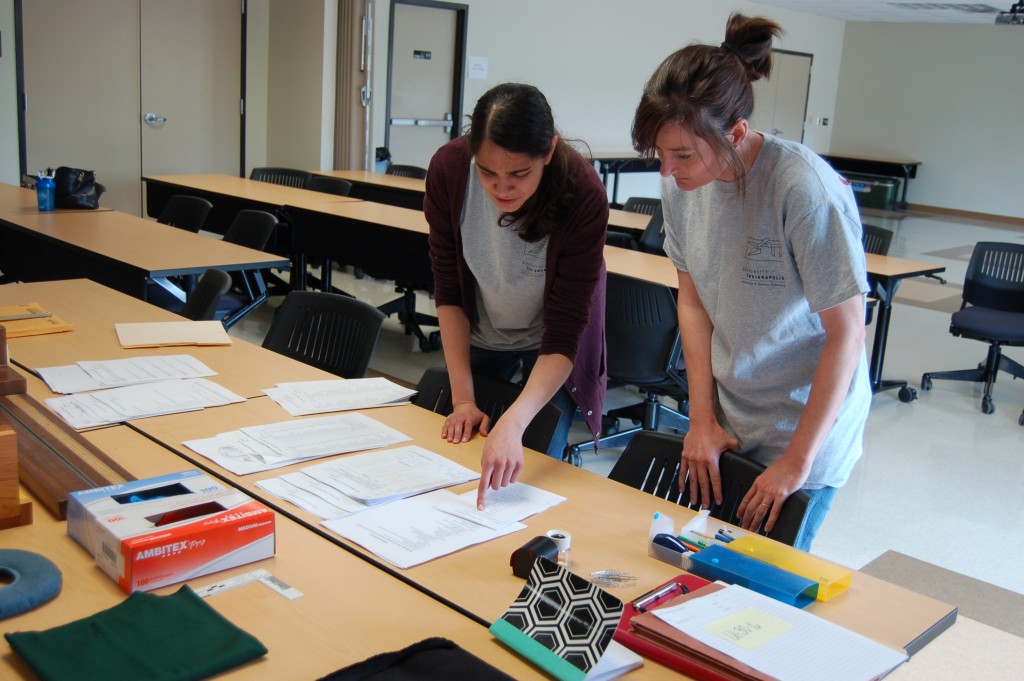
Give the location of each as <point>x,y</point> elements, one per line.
<point>415,172</point>
<point>288,177</point>
<point>201,304</point>
<point>992,311</point>
<point>642,204</point>
<point>280,244</point>
<point>651,463</point>
<point>326,330</point>
<point>493,397</point>
<point>252,229</point>
<point>329,185</point>
<point>877,241</point>
<point>652,240</point>
<point>185,212</point>
<point>644,350</point>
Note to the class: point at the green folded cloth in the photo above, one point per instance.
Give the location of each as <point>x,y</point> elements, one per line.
<point>159,638</point>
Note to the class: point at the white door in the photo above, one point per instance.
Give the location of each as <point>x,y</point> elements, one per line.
<point>191,86</point>
<point>424,61</point>
<point>780,104</point>
<point>90,76</point>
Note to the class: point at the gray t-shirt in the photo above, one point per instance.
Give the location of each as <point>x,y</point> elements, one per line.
<point>509,275</point>
<point>764,265</point>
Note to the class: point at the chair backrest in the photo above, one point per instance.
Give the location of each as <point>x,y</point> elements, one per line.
<point>330,331</point>
<point>641,204</point>
<point>995,276</point>
<point>619,239</point>
<point>653,238</point>
<point>876,239</point>
<point>251,228</point>
<point>493,397</point>
<point>329,185</point>
<point>201,304</point>
<point>185,212</point>
<point>399,170</point>
<point>641,329</point>
<point>651,463</point>
<point>286,176</point>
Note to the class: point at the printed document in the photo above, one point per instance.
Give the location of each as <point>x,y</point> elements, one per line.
<point>260,448</point>
<point>412,531</point>
<point>505,506</point>
<point>114,373</point>
<point>300,398</point>
<point>778,639</point>
<point>140,401</point>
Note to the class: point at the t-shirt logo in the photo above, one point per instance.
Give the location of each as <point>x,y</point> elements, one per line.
<point>764,249</point>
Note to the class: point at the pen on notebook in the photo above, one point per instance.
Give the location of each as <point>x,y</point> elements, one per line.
<point>25,315</point>
<point>651,596</point>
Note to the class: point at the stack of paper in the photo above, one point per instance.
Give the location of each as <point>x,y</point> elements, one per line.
<point>115,373</point>
<point>260,448</point>
<point>740,634</point>
<point>300,398</point>
<point>30,319</point>
<point>140,401</point>
<point>159,334</point>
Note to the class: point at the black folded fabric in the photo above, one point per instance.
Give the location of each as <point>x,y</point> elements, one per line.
<point>177,637</point>
<point>432,659</point>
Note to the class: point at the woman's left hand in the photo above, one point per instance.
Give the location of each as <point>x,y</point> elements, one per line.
<point>502,460</point>
<point>770,490</point>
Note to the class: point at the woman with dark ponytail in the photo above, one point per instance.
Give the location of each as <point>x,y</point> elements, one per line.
<point>767,241</point>
<point>517,230</point>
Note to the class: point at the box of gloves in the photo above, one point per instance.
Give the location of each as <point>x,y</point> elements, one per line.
<point>149,533</point>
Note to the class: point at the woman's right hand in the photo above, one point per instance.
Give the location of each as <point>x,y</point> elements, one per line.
<point>702,448</point>
<point>459,425</point>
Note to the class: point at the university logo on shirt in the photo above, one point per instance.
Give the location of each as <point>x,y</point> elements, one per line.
<point>764,249</point>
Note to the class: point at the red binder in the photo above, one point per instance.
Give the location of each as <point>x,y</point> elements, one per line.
<point>694,666</point>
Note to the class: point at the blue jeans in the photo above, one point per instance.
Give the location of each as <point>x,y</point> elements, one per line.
<point>505,365</point>
<point>817,508</point>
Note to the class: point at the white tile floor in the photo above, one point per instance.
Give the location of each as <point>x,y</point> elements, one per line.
<point>939,480</point>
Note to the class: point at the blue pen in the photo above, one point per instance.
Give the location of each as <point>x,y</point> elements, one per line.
<point>721,537</point>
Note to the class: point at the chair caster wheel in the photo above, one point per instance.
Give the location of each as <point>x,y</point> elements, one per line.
<point>986,405</point>
<point>907,394</point>
<point>1021,419</point>
<point>431,342</point>
<point>611,427</point>
<point>926,382</point>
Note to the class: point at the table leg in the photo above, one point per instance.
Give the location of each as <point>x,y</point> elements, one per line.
<point>906,394</point>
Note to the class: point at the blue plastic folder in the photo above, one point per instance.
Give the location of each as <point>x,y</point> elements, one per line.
<point>719,563</point>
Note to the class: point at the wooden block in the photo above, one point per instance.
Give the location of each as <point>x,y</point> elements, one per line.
<point>11,382</point>
<point>12,504</point>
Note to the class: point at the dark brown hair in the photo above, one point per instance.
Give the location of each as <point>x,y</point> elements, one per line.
<point>517,118</point>
<point>707,88</point>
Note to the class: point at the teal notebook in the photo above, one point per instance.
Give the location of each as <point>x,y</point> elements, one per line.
<point>564,624</point>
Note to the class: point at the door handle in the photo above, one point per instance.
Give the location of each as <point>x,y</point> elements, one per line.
<point>153,119</point>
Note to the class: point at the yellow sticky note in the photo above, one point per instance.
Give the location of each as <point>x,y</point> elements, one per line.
<point>750,628</point>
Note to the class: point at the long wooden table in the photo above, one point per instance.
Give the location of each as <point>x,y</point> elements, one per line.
<point>242,367</point>
<point>348,611</point>
<point>119,250</point>
<point>608,521</point>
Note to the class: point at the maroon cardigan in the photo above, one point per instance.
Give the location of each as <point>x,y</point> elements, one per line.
<point>574,286</point>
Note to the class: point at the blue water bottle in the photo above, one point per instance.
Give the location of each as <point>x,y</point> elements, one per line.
<point>45,187</point>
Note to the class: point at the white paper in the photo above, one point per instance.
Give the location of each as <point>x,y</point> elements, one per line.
<point>114,373</point>
<point>778,639</point>
<point>616,660</point>
<point>412,531</point>
<point>140,401</point>
<point>324,436</point>
<point>507,505</point>
<point>379,477</point>
<point>303,498</point>
<point>301,398</point>
<point>260,448</point>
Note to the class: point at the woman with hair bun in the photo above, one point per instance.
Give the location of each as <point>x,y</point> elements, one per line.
<point>517,230</point>
<point>766,238</point>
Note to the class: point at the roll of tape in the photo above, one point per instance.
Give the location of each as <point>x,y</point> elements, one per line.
<point>561,538</point>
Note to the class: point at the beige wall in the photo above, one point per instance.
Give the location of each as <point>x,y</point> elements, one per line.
<point>948,96</point>
<point>8,102</point>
